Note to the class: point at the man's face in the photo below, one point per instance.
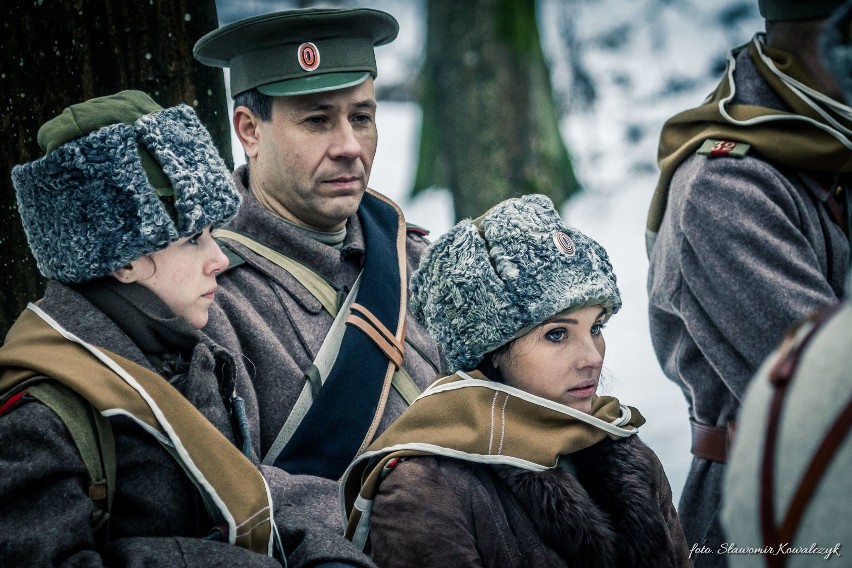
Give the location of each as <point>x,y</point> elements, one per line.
<point>314,156</point>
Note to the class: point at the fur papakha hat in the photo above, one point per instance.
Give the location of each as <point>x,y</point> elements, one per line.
<point>121,178</point>
<point>490,280</point>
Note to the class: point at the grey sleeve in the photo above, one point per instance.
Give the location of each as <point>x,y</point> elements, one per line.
<point>308,517</point>
<point>46,510</point>
<point>183,552</point>
<point>309,492</point>
<point>749,270</point>
<point>308,542</point>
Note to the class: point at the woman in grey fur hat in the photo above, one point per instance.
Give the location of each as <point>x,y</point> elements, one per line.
<point>513,460</point>
<point>127,437</point>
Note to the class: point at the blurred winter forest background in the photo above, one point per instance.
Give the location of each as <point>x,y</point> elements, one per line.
<point>478,100</point>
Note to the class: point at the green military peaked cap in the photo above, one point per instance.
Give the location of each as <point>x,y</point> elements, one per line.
<point>296,52</point>
<point>797,9</point>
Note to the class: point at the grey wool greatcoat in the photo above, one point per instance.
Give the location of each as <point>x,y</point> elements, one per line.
<point>613,509</point>
<point>746,249</point>
<point>277,326</point>
<point>158,517</point>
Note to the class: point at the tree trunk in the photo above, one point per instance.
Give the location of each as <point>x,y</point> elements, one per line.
<point>490,126</point>
<point>57,53</point>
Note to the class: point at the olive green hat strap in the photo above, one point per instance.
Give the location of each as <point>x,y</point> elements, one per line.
<point>318,286</point>
<point>92,434</point>
<point>163,187</point>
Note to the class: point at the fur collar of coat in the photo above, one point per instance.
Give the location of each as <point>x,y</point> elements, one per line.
<point>606,515</point>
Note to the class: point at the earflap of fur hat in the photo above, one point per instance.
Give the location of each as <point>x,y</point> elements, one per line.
<point>204,191</point>
<point>88,207</point>
<point>458,297</point>
<point>81,208</point>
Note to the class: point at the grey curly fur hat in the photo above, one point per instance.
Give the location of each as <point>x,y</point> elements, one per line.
<point>89,207</point>
<point>490,280</point>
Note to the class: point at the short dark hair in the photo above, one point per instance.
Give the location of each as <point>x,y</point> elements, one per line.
<point>257,102</point>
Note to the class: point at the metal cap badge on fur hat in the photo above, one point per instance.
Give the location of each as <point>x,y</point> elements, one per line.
<point>296,52</point>
<point>489,280</point>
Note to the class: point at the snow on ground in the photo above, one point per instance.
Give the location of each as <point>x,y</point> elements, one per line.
<point>678,44</point>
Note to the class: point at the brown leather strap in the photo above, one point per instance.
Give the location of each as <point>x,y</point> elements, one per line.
<point>711,442</point>
<point>390,350</point>
<point>821,460</point>
<point>380,327</point>
<point>780,376</point>
<point>767,477</point>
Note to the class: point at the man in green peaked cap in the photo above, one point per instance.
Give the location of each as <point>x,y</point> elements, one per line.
<point>748,232</point>
<point>316,296</point>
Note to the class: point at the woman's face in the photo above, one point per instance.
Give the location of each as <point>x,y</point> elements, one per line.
<point>184,275</point>
<point>559,360</point>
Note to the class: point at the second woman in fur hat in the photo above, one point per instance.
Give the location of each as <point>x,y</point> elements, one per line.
<point>514,460</point>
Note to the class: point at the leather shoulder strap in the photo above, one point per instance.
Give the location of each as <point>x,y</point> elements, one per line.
<point>781,375</point>
<point>330,299</point>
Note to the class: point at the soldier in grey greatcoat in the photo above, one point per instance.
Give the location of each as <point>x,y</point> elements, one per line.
<point>305,113</point>
<point>799,409</point>
<point>151,460</point>
<point>747,234</point>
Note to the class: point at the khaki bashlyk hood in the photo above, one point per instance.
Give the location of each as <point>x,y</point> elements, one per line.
<point>238,494</point>
<point>815,135</point>
<point>468,417</point>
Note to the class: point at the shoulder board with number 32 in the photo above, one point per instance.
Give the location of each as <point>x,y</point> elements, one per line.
<point>715,148</point>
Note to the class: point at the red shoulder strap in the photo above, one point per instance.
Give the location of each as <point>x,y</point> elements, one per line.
<point>11,401</point>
